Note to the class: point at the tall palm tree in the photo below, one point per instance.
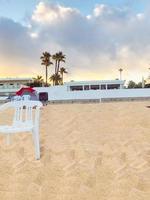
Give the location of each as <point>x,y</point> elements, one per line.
<point>60,58</point>
<point>46,60</point>
<point>62,72</point>
<point>55,57</point>
<point>56,79</point>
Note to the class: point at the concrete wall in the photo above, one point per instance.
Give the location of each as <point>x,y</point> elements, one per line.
<point>61,93</point>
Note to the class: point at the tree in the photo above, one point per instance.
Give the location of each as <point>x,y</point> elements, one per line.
<point>56,79</point>
<point>147,85</point>
<point>139,85</point>
<point>55,57</point>
<point>62,72</point>
<point>52,78</point>
<point>37,82</point>
<point>47,62</point>
<point>58,58</point>
<point>61,58</point>
<point>131,84</point>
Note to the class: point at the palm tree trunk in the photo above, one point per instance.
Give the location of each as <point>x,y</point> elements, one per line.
<point>55,66</point>
<point>46,75</point>
<point>58,65</point>
<point>62,78</point>
<point>57,70</point>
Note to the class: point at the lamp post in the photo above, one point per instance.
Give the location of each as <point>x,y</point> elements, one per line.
<point>143,82</point>
<point>149,73</point>
<point>120,70</point>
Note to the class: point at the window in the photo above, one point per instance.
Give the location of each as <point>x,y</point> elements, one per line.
<point>11,84</point>
<point>76,88</point>
<point>86,87</point>
<point>113,86</point>
<point>94,87</point>
<point>1,84</point>
<point>103,87</point>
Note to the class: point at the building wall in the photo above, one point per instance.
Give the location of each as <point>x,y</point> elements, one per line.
<point>61,93</point>
<point>10,86</point>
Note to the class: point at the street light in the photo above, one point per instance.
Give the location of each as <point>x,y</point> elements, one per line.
<point>149,73</point>
<point>120,70</point>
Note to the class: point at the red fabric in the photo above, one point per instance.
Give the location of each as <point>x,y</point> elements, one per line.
<point>22,90</point>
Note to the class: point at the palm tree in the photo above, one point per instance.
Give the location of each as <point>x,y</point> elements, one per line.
<point>62,72</point>
<point>52,78</point>
<point>56,79</point>
<point>60,58</point>
<point>55,57</point>
<point>47,62</point>
<point>38,80</point>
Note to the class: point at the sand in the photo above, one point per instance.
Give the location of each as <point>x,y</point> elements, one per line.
<point>88,152</point>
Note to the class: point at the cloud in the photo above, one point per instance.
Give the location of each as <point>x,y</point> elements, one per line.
<point>50,13</point>
<point>97,44</point>
<point>18,50</point>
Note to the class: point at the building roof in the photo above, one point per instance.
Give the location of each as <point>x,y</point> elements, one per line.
<point>94,82</point>
<point>15,79</point>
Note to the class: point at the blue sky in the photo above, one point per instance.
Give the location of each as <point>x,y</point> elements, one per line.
<point>98,39</point>
<point>20,10</point>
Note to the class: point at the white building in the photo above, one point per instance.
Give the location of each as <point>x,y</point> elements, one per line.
<point>9,86</point>
<point>82,90</point>
<point>93,90</point>
<point>94,85</point>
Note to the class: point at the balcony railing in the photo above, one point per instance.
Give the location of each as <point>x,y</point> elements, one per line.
<point>10,87</point>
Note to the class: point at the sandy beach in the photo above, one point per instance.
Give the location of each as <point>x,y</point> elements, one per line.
<point>88,152</point>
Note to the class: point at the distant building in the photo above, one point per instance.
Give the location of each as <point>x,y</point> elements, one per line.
<point>84,90</point>
<point>9,86</point>
<point>95,85</point>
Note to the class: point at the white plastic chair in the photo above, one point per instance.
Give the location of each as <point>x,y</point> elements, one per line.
<point>19,98</point>
<point>26,119</point>
<point>26,97</point>
<point>16,98</point>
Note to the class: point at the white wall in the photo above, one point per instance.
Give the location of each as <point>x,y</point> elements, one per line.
<point>61,93</point>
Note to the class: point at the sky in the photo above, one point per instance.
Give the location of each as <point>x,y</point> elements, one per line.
<point>97,36</point>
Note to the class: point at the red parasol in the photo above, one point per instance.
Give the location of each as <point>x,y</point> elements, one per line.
<point>24,90</point>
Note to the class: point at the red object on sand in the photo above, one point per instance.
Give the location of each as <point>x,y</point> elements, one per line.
<point>25,90</point>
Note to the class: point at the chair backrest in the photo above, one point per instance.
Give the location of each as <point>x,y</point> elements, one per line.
<point>26,112</point>
<point>19,98</point>
<point>26,97</point>
<point>16,98</point>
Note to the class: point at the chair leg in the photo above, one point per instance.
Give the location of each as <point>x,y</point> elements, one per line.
<point>36,143</point>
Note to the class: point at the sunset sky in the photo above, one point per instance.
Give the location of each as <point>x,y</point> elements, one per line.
<point>97,36</point>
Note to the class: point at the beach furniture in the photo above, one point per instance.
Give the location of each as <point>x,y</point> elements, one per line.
<point>26,97</point>
<point>19,98</point>
<point>26,119</point>
<point>28,91</point>
<point>16,98</point>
